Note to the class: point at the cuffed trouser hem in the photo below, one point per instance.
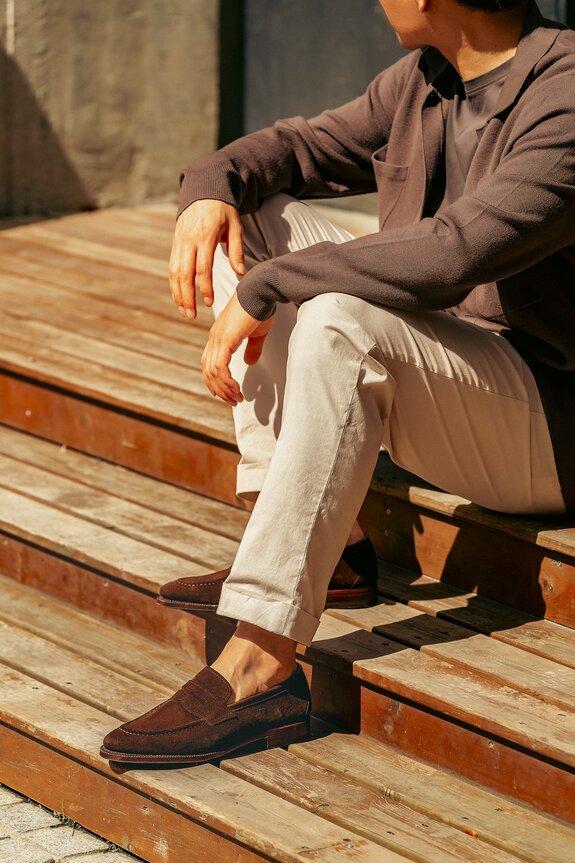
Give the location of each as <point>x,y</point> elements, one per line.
<point>279,617</point>
<point>249,480</point>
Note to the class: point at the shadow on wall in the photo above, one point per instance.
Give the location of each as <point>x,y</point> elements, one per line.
<point>36,175</point>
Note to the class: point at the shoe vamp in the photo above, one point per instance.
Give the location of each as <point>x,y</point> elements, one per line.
<point>171,716</point>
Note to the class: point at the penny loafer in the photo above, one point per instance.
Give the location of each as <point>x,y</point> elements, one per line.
<point>352,585</point>
<point>197,724</point>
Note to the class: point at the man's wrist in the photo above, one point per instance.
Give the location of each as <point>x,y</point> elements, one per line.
<point>258,291</point>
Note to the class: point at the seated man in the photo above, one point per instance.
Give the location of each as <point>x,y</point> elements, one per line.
<point>447,336</point>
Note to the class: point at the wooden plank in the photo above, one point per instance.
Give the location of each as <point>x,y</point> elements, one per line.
<point>165,533</point>
<point>167,452</point>
<point>220,519</point>
<point>472,557</point>
<point>131,819</point>
<point>442,795</point>
<point>137,261</point>
<point>108,690</point>
<point>85,635</point>
<point>90,544</point>
<point>218,801</point>
<point>112,233</point>
<point>464,694</point>
<point>201,636</point>
<point>143,332</point>
<point>345,802</point>
<point>555,533</point>
<point>172,382</point>
<point>464,749</point>
<point>193,411</point>
<point>541,637</point>
<point>537,676</point>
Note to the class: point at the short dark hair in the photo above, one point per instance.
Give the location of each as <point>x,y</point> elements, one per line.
<point>490,5</point>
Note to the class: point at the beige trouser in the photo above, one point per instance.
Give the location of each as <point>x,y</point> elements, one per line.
<point>450,401</point>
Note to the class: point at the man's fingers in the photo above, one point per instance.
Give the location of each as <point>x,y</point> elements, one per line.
<point>182,273</point>
<point>187,282</point>
<point>217,376</point>
<point>235,246</point>
<point>204,264</point>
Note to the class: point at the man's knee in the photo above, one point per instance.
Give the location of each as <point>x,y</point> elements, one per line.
<point>326,328</point>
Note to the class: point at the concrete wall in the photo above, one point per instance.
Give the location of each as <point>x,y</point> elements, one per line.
<point>103,102</point>
<point>302,56</point>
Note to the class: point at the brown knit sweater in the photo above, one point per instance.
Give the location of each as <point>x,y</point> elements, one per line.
<point>501,256</point>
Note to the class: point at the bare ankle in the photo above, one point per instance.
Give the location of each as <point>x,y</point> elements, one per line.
<point>255,660</point>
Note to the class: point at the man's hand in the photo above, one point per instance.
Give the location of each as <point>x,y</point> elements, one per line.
<point>199,229</point>
<point>226,335</point>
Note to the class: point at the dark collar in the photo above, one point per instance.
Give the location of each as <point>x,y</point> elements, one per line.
<point>537,38</point>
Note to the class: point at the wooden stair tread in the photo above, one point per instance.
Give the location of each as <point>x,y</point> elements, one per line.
<point>102,508</point>
<point>555,533</point>
<point>253,802</point>
<point>70,371</point>
<point>346,802</point>
<point>119,483</point>
<point>207,800</point>
<point>541,637</point>
<point>474,696</point>
<point>135,293</point>
<point>43,716</point>
<point>494,686</point>
<point>143,331</point>
<point>85,635</point>
<point>538,676</point>
<point>433,792</point>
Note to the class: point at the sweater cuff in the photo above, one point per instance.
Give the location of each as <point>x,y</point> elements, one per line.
<point>259,291</point>
<point>210,182</point>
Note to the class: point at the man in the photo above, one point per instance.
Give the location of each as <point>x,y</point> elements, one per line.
<point>447,335</point>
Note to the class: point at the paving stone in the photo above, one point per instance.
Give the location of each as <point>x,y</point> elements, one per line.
<point>7,796</point>
<point>24,817</point>
<point>63,841</point>
<point>22,851</point>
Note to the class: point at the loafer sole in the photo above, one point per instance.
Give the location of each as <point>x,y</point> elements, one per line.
<point>350,598</point>
<point>182,603</point>
<point>281,736</point>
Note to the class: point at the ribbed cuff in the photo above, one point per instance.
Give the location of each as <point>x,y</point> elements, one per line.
<point>212,182</point>
<point>259,291</point>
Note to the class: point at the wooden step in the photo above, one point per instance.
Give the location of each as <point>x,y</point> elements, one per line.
<point>97,359</point>
<point>497,707</point>
<point>527,563</point>
<point>68,677</point>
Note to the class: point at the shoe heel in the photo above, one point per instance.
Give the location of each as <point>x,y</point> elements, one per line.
<point>287,734</point>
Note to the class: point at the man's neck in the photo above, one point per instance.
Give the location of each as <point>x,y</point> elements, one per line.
<point>479,42</point>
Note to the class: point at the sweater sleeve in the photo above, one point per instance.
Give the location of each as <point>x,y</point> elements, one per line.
<point>523,212</point>
<point>326,156</point>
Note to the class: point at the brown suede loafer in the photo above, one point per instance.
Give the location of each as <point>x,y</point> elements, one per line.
<point>197,724</point>
<point>353,583</point>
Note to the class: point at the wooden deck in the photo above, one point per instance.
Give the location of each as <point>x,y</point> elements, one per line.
<point>117,473</point>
